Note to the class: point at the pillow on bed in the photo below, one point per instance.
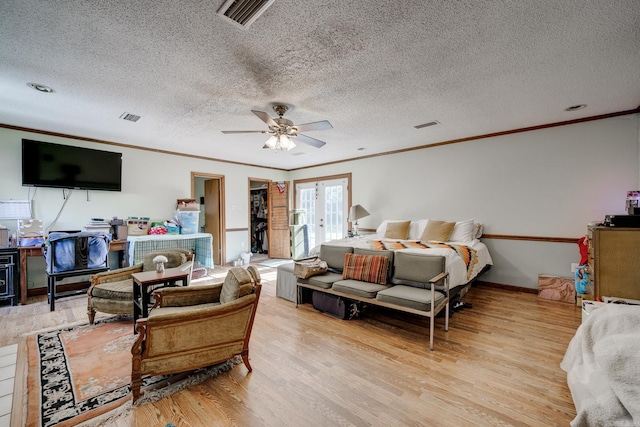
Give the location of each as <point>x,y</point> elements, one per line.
<point>437,230</point>
<point>463,231</point>
<point>416,229</point>
<point>397,230</point>
<point>382,228</point>
<point>366,268</point>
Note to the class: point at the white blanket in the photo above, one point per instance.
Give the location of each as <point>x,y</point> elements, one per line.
<point>603,367</point>
<point>454,264</point>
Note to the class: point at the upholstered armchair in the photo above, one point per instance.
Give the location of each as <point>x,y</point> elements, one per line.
<point>112,291</point>
<point>196,326</point>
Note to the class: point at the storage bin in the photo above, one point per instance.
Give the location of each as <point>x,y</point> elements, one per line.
<point>137,226</point>
<point>189,221</point>
<point>173,229</point>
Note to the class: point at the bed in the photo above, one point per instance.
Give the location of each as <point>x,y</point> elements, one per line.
<point>603,367</point>
<point>466,256</point>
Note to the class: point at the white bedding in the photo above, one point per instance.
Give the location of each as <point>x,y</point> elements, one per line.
<point>603,367</point>
<point>454,263</point>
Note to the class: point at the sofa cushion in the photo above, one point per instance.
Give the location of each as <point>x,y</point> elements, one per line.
<point>415,269</point>
<point>397,230</point>
<point>388,254</point>
<point>367,268</point>
<point>236,277</point>
<point>334,256</point>
<point>409,296</point>
<point>358,288</point>
<point>121,290</point>
<point>437,230</point>
<point>323,281</point>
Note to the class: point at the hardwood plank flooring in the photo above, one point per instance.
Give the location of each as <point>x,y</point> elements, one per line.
<point>497,365</point>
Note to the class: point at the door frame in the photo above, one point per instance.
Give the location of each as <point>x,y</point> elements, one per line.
<point>346,176</point>
<point>222,238</point>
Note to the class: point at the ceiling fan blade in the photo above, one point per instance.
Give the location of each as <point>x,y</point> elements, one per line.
<point>265,118</point>
<point>244,131</point>
<point>321,125</point>
<point>308,140</point>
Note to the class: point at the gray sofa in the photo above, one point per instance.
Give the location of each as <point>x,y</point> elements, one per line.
<point>414,283</point>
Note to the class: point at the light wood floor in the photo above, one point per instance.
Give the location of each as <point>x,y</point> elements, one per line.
<point>497,365</point>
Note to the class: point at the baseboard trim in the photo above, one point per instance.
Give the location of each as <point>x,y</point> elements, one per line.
<point>507,287</point>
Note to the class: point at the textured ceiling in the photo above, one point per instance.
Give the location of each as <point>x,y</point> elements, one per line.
<point>374,69</point>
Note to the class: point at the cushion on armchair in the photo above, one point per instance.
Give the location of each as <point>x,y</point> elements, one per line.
<point>121,290</point>
<point>175,259</point>
<point>236,277</point>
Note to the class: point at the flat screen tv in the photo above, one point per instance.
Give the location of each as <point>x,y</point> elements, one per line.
<point>64,166</point>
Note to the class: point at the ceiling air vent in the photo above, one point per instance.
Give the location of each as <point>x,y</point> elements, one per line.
<point>130,117</point>
<point>242,13</point>
<point>424,125</point>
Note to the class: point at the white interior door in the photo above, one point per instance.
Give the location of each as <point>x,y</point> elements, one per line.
<point>326,208</point>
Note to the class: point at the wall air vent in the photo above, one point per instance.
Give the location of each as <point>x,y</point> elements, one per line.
<point>424,125</point>
<point>130,117</point>
<point>242,13</point>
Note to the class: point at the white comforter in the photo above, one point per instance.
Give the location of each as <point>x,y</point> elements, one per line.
<point>603,367</point>
<point>454,264</point>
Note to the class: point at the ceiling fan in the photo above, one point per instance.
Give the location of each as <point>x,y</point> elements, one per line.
<point>283,131</point>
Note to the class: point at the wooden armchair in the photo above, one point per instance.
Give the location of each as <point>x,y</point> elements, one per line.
<point>112,291</point>
<point>196,326</point>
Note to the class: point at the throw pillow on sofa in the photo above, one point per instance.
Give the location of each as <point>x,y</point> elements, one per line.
<point>366,268</point>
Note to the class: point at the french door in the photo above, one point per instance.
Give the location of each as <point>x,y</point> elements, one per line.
<point>325,205</point>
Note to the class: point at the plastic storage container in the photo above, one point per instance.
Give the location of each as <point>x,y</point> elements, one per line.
<point>189,221</point>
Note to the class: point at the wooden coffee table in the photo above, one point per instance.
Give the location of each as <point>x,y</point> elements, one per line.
<point>145,282</point>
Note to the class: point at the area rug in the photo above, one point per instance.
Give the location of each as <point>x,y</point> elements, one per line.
<point>82,374</point>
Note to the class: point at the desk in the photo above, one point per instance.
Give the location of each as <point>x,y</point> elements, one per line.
<point>36,251</point>
<point>199,243</point>
<point>147,281</point>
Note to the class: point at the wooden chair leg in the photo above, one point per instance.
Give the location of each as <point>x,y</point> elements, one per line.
<point>92,315</point>
<point>136,383</point>
<point>245,359</point>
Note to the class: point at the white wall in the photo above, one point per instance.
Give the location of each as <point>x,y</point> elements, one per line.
<point>151,184</point>
<point>548,183</point>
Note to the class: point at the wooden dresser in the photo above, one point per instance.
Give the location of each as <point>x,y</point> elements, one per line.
<point>614,258</point>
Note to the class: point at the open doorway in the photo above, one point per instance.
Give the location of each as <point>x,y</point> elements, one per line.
<point>258,219</point>
<point>209,190</point>
<point>269,219</point>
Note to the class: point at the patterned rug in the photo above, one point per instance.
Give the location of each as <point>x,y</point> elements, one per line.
<point>83,372</point>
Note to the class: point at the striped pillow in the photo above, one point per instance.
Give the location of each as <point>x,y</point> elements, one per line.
<point>366,268</point>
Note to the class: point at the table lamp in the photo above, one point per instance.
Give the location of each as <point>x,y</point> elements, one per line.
<point>355,213</point>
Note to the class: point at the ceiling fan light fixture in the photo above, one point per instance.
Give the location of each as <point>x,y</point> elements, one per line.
<point>283,131</point>
<point>286,143</point>
<point>271,143</point>
<point>279,143</point>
